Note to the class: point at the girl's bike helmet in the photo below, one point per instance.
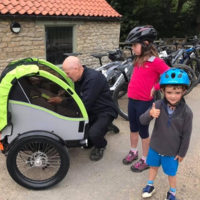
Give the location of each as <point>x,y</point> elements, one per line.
<point>174,77</point>
<point>141,33</point>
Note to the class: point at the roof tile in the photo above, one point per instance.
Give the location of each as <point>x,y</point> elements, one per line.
<point>4,10</point>
<point>14,2</point>
<point>22,11</point>
<point>22,3</point>
<point>12,11</point>
<point>18,7</point>
<point>6,2</point>
<point>58,7</point>
<point>1,6</point>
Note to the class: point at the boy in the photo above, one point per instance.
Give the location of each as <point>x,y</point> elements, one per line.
<point>172,130</point>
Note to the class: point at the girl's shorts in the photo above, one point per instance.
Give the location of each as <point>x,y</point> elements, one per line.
<point>169,165</point>
<point>135,109</point>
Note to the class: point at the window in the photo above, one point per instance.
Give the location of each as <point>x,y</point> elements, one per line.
<point>37,90</point>
<point>59,40</point>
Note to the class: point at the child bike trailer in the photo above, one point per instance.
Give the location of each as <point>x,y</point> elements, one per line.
<point>34,134</point>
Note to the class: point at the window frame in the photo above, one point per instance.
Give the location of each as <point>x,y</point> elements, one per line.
<point>74,26</point>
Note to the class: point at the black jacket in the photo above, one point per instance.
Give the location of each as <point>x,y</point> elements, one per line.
<point>94,91</point>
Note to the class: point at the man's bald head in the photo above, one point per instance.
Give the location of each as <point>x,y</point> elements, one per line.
<point>73,68</point>
<point>71,62</point>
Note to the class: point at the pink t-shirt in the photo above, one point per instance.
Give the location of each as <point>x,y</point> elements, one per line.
<point>145,77</point>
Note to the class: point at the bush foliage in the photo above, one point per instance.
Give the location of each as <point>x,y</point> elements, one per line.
<point>170,18</point>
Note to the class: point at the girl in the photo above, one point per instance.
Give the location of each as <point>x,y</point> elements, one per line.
<point>144,82</point>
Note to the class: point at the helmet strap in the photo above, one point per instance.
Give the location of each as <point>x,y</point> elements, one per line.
<point>145,47</point>
<point>172,105</point>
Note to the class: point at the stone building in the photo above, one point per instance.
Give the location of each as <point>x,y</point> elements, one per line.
<point>48,28</point>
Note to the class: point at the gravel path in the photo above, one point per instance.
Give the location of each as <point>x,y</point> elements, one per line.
<point>109,178</point>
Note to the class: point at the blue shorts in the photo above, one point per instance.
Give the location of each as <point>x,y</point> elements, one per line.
<point>169,165</point>
<point>135,109</point>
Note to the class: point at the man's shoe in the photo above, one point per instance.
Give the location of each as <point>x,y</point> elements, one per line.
<point>140,166</point>
<point>97,154</point>
<point>148,191</point>
<point>130,157</point>
<point>170,196</point>
<point>113,128</point>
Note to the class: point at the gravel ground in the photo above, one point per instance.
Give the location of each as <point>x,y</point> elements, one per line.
<point>109,178</point>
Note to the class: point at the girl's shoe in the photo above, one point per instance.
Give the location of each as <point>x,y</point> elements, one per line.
<point>130,157</point>
<point>140,166</point>
<point>170,196</point>
<point>148,191</point>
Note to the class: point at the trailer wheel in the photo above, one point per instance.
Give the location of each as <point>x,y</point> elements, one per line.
<point>38,162</point>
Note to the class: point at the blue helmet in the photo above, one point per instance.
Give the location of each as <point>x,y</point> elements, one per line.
<point>174,76</point>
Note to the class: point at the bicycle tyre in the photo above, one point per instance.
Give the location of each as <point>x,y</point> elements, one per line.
<point>30,152</point>
<point>194,64</point>
<point>191,76</point>
<point>121,101</point>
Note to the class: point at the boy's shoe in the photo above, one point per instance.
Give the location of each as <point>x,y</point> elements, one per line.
<point>97,154</point>
<point>170,196</point>
<point>140,166</point>
<point>130,157</point>
<point>148,191</point>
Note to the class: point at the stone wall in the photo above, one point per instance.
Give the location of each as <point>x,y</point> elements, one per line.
<point>97,37</point>
<point>92,37</point>
<point>29,42</point>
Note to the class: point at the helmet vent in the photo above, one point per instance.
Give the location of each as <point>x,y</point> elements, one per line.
<point>180,75</point>
<point>173,75</point>
<point>166,76</point>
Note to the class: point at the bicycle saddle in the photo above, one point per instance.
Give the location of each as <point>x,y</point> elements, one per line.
<point>99,55</point>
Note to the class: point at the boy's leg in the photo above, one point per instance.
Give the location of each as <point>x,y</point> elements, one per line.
<point>172,181</point>
<point>170,167</point>
<point>153,159</point>
<point>153,172</point>
<point>149,189</point>
<point>172,191</point>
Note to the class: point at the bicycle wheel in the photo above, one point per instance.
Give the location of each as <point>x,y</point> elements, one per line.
<point>194,64</point>
<point>157,95</point>
<point>121,100</point>
<point>37,162</point>
<point>190,73</point>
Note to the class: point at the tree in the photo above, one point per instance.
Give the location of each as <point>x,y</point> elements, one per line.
<point>169,17</point>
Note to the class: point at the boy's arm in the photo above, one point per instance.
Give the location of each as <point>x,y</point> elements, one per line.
<point>145,118</point>
<point>149,115</point>
<point>187,130</point>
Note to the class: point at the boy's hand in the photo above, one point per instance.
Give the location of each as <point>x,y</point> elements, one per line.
<point>55,100</point>
<point>180,159</point>
<point>154,112</point>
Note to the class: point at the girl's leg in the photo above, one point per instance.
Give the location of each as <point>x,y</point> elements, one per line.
<point>145,146</point>
<point>134,136</point>
<point>133,153</point>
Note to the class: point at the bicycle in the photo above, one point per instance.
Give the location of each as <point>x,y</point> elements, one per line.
<point>122,102</point>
